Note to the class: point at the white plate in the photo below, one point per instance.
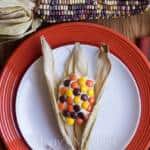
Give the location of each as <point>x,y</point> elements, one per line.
<point>117,119</point>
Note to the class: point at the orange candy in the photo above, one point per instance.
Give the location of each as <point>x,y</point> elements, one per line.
<point>79,121</point>
<point>74,85</point>
<point>90,108</point>
<point>92,100</point>
<point>89,83</point>
<point>61,106</point>
<point>62,90</point>
<point>73,77</point>
<point>70,108</point>
<point>69,100</point>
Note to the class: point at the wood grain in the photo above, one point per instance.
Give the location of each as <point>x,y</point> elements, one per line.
<point>132,27</point>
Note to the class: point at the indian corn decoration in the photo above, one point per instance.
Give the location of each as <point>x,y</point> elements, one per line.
<point>73,10</point>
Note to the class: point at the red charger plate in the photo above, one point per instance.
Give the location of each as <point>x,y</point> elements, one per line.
<point>59,35</point>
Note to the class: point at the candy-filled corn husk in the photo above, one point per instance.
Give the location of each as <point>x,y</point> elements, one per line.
<point>77,65</point>
<point>16,19</point>
<point>77,137</point>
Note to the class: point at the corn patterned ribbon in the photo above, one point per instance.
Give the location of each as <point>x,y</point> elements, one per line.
<point>73,10</point>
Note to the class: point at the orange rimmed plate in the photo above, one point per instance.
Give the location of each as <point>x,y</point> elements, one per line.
<point>60,35</point>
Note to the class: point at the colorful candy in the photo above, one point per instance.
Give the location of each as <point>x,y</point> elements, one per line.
<point>89,83</point>
<point>76,108</point>
<point>70,121</point>
<point>76,99</point>
<point>69,93</point>
<point>62,98</point>
<point>80,121</point>
<point>85,105</point>
<point>92,100</point>
<point>90,92</point>
<point>84,88</point>
<point>74,115</point>
<point>62,90</point>
<point>81,115</point>
<point>74,85</point>
<point>70,108</point>
<point>82,81</point>
<point>61,106</point>
<point>66,113</point>
<point>67,83</point>
<point>69,100</point>
<point>76,91</point>
<point>89,108</point>
<point>84,97</point>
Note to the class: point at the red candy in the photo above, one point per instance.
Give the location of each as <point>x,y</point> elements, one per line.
<point>79,121</point>
<point>89,83</point>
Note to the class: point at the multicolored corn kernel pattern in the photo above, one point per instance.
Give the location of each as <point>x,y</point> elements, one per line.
<point>73,10</point>
<point>75,103</point>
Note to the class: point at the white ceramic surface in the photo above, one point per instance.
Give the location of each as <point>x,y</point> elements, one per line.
<point>118,115</point>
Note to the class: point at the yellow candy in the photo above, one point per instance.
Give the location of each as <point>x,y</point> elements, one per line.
<point>82,81</point>
<point>85,105</point>
<point>77,100</point>
<point>84,88</point>
<point>70,121</point>
<point>90,93</point>
<point>69,93</point>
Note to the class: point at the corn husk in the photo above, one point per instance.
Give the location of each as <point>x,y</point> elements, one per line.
<point>77,137</point>
<point>50,78</point>
<point>77,65</point>
<point>103,70</point>
<point>16,19</point>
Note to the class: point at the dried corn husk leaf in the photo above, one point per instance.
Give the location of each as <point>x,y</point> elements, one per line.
<point>77,64</point>
<point>16,19</point>
<point>9,10</point>
<point>77,137</point>
<point>16,29</point>
<point>69,67</point>
<point>50,78</point>
<point>81,67</point>
<point>103,70</point>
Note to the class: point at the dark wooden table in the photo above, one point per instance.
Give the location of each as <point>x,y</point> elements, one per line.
<point>133,27</point>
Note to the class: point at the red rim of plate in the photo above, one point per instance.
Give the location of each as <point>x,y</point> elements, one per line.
<point>67,33</point>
